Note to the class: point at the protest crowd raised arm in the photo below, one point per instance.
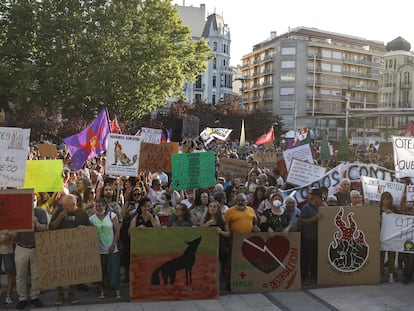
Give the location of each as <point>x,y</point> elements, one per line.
<point>126,197</point>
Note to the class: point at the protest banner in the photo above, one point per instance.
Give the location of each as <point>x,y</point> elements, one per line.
<point>209,134</point>
<point>193,170</point>
<point>163,278</point>
<point>157,158</point>
<point>122,156</point>
<point>239,168</point>
<point>44,175</point>
<point>403,151</point>
<point>68,257</point>
<point>332,179</point>
<point>16,209</point>
<point>151,135</point>
<point>348,246</point>
<point>302,173</point>
<point>373,189</point>
<point>397,233</point>
<point>47,151</point>
<point>265,264</point>
<point>14,144</point>
<point>302,152</point>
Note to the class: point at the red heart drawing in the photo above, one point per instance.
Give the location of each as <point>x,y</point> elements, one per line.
<point>265,256</point>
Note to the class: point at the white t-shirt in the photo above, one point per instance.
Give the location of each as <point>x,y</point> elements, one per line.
<point>106,233</point>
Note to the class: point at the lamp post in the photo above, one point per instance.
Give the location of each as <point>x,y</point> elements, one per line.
<point>348,99</point>
<point>243,80</point>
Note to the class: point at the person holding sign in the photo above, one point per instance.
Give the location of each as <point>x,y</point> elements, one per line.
<point>25,259</point>
<point>386,206</point>
<point>108,234</point>
<point>309,218</point>
<point>68,216</point>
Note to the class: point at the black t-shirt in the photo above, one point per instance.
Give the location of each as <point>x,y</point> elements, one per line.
<point>73,219</point>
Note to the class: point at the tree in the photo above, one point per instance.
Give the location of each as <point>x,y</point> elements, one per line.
<point>80,56</point>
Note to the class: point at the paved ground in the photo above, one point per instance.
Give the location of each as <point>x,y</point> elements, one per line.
<point>385,296</point>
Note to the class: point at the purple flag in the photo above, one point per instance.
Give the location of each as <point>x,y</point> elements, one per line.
<point>91,142</point>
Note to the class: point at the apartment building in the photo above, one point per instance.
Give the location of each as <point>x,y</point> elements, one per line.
<point>309,77</point>
<point>215,85</point>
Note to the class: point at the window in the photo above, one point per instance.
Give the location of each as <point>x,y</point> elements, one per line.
<point>287,76</point>
<point>287,104</point>
<point>214,63</point>
<point>287,64</point>
<point>224,48</point>
<point>213,99</point>
<point>284,91</point>
<point>326,67</point>
<point>288,51</point>
<point>214,81</point>
<point>406,78</point>
<point>214,46</point>
<point>326,54</point>
<point>337,55</point>
<point>198,82</point>
<point>336,68</point>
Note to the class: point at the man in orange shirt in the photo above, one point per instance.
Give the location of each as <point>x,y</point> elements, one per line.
<point>240,217</point>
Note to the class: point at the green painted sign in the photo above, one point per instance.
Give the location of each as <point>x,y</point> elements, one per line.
<point>193,170</point>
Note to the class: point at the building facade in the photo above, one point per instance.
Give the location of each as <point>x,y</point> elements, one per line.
<point>311,78</point>
<point>215,85</point>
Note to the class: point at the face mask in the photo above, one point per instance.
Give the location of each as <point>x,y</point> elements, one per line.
<point>277,203</point>
<point>162,202</point>
<point>100,213</point>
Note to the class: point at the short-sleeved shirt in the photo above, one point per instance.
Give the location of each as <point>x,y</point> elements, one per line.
<point>105,231</point>
<point>27,238</point>
<point>309,231</point>
<point>73,219</point>
<point>277,222</point>
<point>240,220</point>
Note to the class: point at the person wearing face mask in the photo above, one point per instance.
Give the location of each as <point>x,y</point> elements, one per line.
<point>240,217</point>
<point>276,219</point>
<point>108,236</point>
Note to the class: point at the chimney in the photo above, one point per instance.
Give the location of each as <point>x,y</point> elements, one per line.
<point>273,34</point>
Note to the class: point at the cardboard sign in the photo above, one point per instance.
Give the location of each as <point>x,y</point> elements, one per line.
<point>180,263</point>
<point>16,209</point>
<point>409,193</point>
<point>193,170</point>
<point>122,156</point>
<point>68,257</point>
<point>266,158</point>
<point>44,175</point>
<point>47,151</point>
<point>240,168</point>
<point>302,153</point>
<point>157,158</point>
<point>150,135</point>
<point>303,173</point>
<point>14,144</point>
<point>397,233</point>
<point>264,264</point>
<point>348,246</point>
<point>374,188</point>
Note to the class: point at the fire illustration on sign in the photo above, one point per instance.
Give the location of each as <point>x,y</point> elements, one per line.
<point>349,251</point>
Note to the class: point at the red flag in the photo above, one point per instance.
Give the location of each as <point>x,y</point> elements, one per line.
<point>115,128</point>
<point>266,138</point>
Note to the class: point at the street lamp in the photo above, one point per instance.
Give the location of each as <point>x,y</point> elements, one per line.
<point>347,107</point>
<point>243,80</point>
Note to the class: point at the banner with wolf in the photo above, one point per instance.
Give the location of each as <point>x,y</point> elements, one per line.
<point>174,264</point>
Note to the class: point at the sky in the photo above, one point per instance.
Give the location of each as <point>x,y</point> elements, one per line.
<point>251,22</point>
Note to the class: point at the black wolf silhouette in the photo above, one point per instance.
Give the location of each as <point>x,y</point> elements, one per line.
<point>170,268</point>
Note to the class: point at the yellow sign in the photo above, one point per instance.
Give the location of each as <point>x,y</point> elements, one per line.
<point>44,175</point>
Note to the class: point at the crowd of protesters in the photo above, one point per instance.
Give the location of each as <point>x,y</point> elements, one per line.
<point>118,204</point>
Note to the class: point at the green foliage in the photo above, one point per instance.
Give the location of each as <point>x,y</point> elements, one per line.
<point>80,56</point>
